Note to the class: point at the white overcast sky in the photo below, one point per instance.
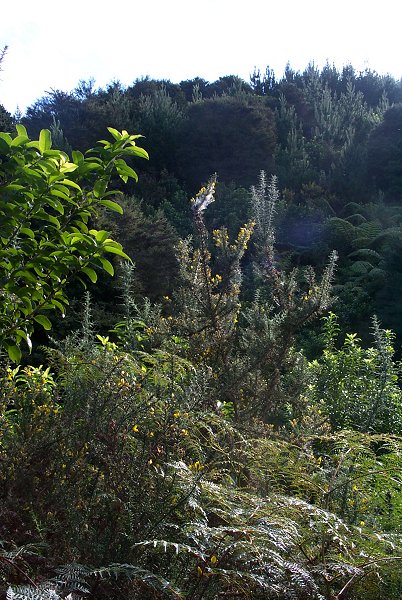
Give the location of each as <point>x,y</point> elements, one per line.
<point>53,44</point>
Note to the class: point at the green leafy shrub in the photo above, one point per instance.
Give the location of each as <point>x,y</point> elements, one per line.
<point>359,386</point>
<point>46,205</point>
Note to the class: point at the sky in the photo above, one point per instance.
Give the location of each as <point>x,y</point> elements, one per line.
<point>54,45</point>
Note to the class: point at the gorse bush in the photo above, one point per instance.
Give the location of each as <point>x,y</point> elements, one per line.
<point>248,348</point>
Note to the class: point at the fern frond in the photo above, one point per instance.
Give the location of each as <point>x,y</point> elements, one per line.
<point>73,578</point>
<point>356,219</point>
<point>146,577</point>
<point>32,593</point>
<point>365,254</point>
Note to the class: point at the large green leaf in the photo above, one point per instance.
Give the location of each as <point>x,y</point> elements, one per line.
<point>44,321</point>
<point>21,130</point>
<point>45,140</point>
<point>124,170</point>
<point>14,352</point>
<point>137,151</point>
<point>90,273</point>
<point>112,205</point>
<point>107,265</point>
<point>100,236</point>
<point>116,250</point>
<point>19,140</point>
<point>27,231</point>
<point>117,136</point>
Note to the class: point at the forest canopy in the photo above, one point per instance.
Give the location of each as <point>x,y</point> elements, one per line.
<point>331,137</point>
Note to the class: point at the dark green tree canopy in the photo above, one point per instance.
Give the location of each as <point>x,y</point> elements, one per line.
<point>234,135</point>
<point>385,153</point>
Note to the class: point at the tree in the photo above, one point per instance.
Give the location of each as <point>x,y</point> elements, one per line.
<point>160,118</point>
<point>5,117</point>
<point>195,88</point>
<point>385,154</point>
<point>46,205</point>
<point>149,240</point>
<point>234,135</point>
<point>229,85</point>
<point>81,114</point>
<point>6,121</point>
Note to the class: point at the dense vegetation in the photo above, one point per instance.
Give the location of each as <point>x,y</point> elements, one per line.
<point>223,417</point>
<point>333,139</point>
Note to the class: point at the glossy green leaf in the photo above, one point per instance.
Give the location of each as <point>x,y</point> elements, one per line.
<point>137,151</point>
<point>100,187</point>
<point>68,167</point>
<point>59,305</point>
<point>118,251</point>
<point>14,352</point>
<point>90,273</point>
<point>59,194</point>
<point>27,231</point>
<point>55,203</point>
<point>26,275</point>
<point>112,205</point>
<point>56,154</point>
<point>21,129</point>
<point>72,184</point>
<point>123,169</point>
<point>78,157</point>
<point>13,187</point>
<point>45,140</point>
<point>117,136</point>
<point>107,265</point>
<point>44,216</point>
<point>19,140</point>
<point>100,235</point>
<point>32,173</point>
<point>44,321</point>
<point>6,137</point>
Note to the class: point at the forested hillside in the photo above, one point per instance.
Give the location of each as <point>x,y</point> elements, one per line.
<point>200,340</point>
<point>334,139</point>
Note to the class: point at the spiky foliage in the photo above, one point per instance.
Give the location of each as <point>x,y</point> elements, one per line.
<point>264,203</point>
<point>247,348</point>
<point>285,301</point>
